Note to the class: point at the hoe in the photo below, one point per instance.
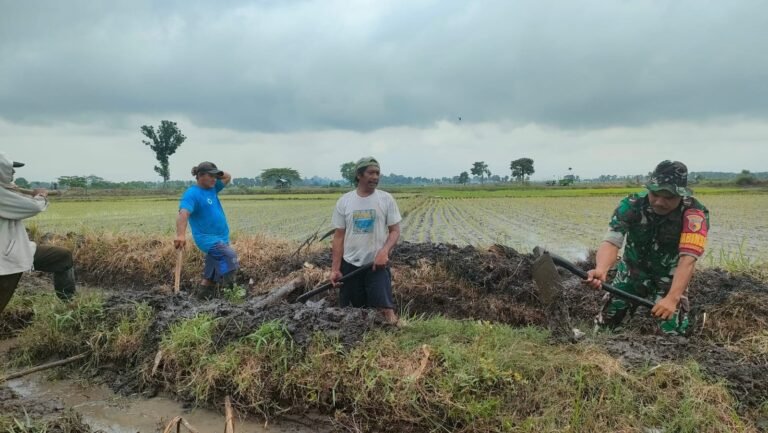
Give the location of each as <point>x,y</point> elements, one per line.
<point>548,280</point>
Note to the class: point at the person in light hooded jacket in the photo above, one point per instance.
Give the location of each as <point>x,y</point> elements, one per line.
<point>17,253</point>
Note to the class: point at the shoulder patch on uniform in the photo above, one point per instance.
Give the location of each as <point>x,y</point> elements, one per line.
<point>694,221</point>
<point>693,238</point>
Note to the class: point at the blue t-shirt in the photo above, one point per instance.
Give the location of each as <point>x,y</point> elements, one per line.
<point>206,216</point>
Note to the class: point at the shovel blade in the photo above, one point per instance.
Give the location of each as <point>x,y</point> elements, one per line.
<point>546,277</point>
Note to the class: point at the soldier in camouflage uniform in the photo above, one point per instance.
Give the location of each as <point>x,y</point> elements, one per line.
<point>666,231</point>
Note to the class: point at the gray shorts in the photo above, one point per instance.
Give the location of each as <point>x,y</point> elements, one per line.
<point>220,261</point>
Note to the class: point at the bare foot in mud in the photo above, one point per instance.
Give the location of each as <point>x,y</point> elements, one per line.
<point>389,316</point>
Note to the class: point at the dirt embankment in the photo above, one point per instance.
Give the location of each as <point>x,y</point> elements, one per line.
<point>729,311</point>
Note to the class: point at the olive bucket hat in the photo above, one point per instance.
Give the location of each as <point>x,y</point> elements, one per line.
<point>670,176</point>
<point>366,161</point>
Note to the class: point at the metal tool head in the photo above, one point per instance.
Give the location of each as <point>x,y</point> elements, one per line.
<point>546,277</point>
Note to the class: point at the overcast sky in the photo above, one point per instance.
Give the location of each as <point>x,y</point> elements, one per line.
<point>427,87</point>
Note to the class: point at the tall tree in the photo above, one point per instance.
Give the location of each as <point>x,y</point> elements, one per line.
<point>278,176</point>
<point>463,177</point>
<point>521,168</point>
<point>348,172</point>
<point>164,143</point>
<point>480,168</point>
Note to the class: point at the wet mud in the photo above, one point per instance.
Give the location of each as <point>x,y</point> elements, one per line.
<point>492,284</point>
<point>496,284</point>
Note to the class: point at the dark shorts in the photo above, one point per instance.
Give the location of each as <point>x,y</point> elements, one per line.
<point>47,259</point>
<point>370,289</point>
<point>220,261</point>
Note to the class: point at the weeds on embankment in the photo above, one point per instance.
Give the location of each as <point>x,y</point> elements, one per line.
<point>435,374</point>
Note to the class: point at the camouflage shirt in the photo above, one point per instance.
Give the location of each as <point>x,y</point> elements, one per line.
<point>655,242</point>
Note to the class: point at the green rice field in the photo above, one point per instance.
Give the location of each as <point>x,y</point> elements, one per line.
<point>569,225</point>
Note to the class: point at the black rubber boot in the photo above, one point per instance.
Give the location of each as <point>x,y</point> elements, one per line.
<point>205,293</point>
<point>64,284</point>
<point>8,285</point>
<point>228,280</point>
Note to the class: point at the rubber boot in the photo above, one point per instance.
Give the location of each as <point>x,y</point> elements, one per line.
<point>8,285</point>
<point>205,292</point>
<point>64,284</point>
<point>228,280</point>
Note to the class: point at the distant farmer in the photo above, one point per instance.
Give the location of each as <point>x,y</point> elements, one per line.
<point>367,223</point>
<point>17,253</point>
<point>200,206</point>
<point>666,231</point>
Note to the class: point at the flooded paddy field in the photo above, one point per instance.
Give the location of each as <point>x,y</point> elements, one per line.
<point>569,225</point>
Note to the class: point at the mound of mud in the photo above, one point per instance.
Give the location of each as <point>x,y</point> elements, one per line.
<point>745,377</point>
<point>467,283</point>
<point>348,325</point>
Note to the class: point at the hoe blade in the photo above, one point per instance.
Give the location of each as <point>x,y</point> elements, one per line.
<point>546,277</point>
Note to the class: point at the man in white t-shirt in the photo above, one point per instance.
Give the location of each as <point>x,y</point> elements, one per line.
<point>367,223</point>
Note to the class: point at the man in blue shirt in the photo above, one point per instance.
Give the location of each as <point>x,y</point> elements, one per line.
<point>200,206</point>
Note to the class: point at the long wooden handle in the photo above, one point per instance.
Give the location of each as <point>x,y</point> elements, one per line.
<point>607,287</point>
<point>26,191</point>
<point>177,275</point>
<point>327,286</point>
<point>229,421</point>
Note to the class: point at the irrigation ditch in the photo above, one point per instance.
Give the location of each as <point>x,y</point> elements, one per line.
<point>478,352</point>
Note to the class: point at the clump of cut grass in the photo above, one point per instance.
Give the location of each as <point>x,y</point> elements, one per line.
<point>69,422</point>
<point>186,350</point>
<point>125,339</point>
<point>251,369</point>
<point>740,322</point>
<point>61,328</point>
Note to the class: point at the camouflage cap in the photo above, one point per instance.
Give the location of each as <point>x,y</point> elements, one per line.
<point>366,161</point>
<point>670,176</point>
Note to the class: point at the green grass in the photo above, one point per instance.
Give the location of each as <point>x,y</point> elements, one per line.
<point>64,329</point>
<point>235,294</point>
<point>433,375</point>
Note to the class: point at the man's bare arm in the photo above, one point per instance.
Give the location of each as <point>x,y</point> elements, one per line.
<point>382,256</point>
<point>337,254</point>
<point>181,229</point>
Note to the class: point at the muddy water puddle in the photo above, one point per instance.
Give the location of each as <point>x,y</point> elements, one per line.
<point>104,410</point>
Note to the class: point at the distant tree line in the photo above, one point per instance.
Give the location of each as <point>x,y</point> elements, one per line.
<point>720,175</point>
<point>521,168</point>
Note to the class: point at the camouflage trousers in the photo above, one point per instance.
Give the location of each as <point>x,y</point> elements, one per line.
<point>615,310</point>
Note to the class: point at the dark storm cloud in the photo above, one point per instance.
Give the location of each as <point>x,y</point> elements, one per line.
<point>305,65</point>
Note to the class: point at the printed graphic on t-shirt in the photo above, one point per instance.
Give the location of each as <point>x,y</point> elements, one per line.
<point>363,221</point>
